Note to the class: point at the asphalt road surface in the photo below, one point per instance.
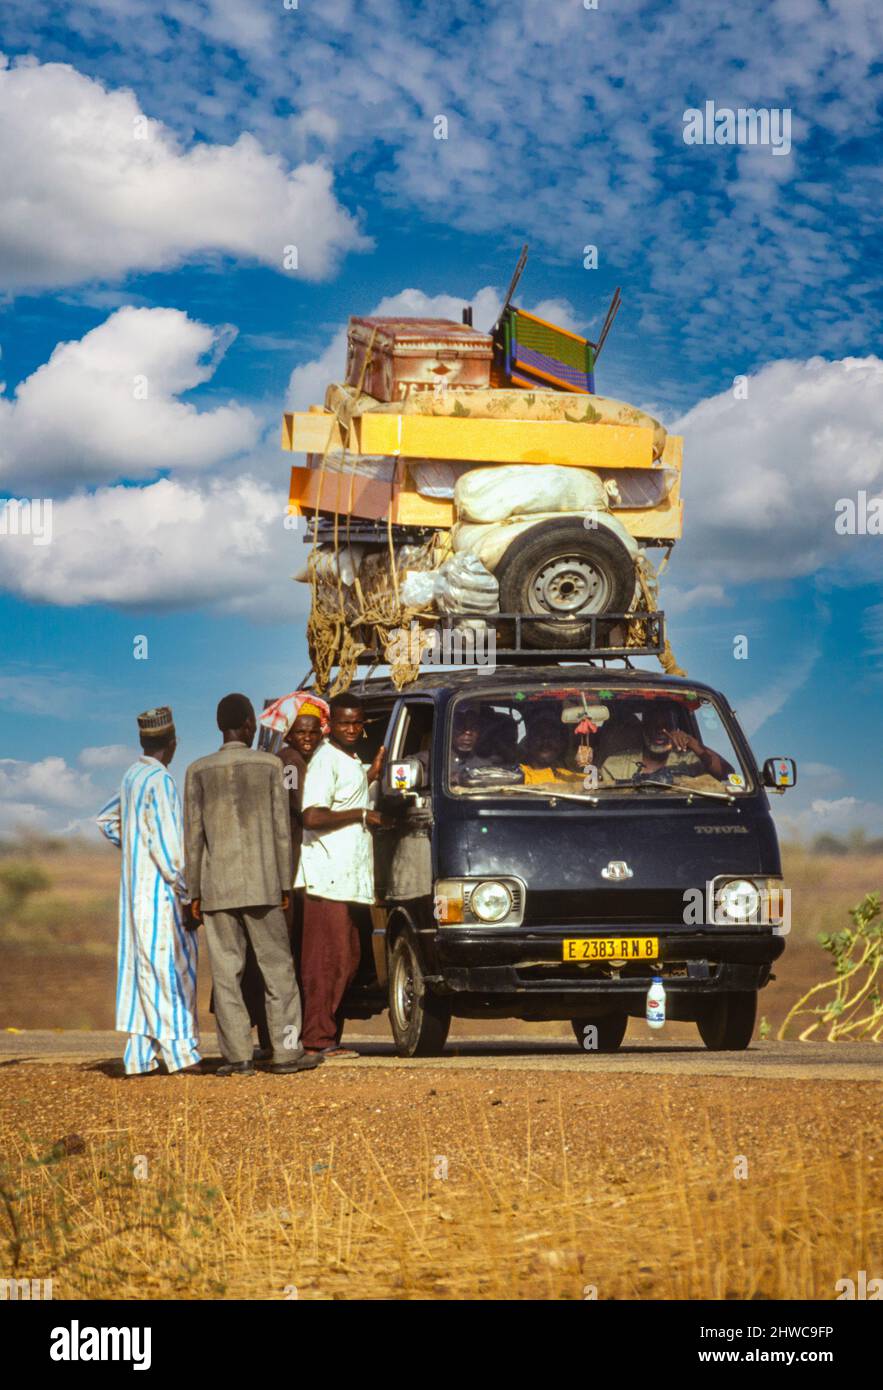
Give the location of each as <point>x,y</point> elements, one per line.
<point>825,1061</point>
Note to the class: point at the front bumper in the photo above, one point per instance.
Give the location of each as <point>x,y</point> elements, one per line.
<point>528,962</point>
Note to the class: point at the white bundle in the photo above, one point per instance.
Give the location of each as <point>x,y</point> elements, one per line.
<point>522,489</point>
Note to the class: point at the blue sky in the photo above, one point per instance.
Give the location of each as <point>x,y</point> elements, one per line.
<point>156,162</point>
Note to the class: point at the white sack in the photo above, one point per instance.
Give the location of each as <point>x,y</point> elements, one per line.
<point>417,589</point>
<point>519,489</point>
<point>489,542</point>
<point>349,561</point>
<point>464,585</point>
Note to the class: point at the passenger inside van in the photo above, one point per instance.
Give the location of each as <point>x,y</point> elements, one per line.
<point>665,753</point>
<point>470,729</point>
<point>545,754</point>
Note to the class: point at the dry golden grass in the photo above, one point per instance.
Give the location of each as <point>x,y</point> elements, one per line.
<point>518,1220</point>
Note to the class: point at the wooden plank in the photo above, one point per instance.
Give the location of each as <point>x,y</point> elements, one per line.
<point>673,453</point>
<point>310,432</point>
<point>666,523</point>
<point>371,500</point>
<point>478,441</point>
<point>506,441</point>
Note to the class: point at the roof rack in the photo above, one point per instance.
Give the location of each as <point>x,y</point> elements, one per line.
<point>491,645</point>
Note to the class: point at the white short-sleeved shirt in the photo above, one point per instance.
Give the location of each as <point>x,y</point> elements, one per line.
<point>336,864</point>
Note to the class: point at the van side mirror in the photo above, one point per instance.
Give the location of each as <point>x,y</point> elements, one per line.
<point>780,773</point>
<point>402,776</point>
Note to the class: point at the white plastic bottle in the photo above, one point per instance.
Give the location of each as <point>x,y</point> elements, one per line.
<point>656,1003</point>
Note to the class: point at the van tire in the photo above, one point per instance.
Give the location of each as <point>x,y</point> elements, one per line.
<point>565,569</point>
<point>611,1031</point>
<point>726,1024</point>
<point>419,1020</point>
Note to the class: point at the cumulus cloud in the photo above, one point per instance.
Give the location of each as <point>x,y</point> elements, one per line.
<point>111,755</point>
<point>562,123</point>
<point>762,475</point>
<point>93,189</point>
<point>49,781</point>
<point>52,795</point>
<point>171,544</point>
<point>106,406</point>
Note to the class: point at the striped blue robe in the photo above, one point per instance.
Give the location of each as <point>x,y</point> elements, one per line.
<point>156,958</point>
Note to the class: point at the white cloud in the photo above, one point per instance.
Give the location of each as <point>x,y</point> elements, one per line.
<point>50,795</point>
<point>86,199</point>
<point>171,544</point>
<point>562,121</point>
<point>762,475</point>
<point>106,406</point>
<point>111,755</point>
<point>49,781</point>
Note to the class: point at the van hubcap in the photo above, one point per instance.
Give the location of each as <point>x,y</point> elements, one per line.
<point>404,990</point>
<point>569,584</point>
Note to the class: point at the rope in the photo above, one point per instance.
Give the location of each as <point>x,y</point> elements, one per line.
<point>332,624</point>
<point>637,630</point>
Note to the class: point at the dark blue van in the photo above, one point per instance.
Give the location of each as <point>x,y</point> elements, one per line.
<point>562,835</point>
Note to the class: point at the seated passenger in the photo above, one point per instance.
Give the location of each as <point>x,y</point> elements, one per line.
<point>666,753</point>
<point>468,724</point>
<point>499,737</point>
<point>543,756</point>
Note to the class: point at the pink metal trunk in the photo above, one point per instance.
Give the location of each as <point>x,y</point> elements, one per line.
<point>416,355</point>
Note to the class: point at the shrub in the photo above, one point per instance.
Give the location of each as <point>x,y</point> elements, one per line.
<point>19,880</point>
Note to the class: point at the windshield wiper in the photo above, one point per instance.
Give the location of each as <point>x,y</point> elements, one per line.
<point>551,795</point>
<point>683,791</point>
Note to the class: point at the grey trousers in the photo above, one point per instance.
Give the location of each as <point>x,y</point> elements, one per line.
<point>226,938</point>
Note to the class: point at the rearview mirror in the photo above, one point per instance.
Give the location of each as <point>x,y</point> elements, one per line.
<point>780,773</point>
<point>402,775</point>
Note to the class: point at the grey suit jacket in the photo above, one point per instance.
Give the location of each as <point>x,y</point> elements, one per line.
<point>237,834</point>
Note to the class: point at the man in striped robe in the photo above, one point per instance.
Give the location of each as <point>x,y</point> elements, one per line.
<point>156,960</point>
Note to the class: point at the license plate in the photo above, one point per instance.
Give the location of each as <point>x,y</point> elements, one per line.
<point>611,948</point>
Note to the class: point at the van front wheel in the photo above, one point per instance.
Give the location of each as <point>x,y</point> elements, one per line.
<point>726,1024</point>
<point>420,1021</point>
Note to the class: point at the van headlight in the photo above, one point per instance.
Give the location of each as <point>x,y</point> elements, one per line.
<point>491,902</point>
<point>738,900</point>
<point>487,902</point>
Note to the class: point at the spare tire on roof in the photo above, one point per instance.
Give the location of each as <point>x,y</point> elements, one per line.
<point>568,571</point>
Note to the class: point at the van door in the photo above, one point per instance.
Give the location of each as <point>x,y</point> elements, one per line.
<point>405,851</point>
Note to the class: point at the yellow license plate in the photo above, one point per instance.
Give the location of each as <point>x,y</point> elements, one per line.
<point>611,948</point>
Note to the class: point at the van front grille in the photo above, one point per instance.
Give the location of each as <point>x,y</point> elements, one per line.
<point>616,906</point>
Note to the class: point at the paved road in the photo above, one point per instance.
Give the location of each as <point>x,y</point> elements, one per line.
<point>826,1061</point>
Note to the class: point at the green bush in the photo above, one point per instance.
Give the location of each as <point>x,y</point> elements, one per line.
<point>18,880</point>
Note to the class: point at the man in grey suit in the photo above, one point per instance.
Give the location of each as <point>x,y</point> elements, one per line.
<point>237,839</point>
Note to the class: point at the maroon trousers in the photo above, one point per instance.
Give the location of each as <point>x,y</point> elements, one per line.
<point>329,960</point>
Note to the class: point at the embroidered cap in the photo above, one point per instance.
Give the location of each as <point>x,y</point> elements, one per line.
<point>155,722</point>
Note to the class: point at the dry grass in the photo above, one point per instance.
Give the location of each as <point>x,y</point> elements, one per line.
<point>515,1220</point>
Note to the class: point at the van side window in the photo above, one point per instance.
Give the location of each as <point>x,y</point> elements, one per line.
<point>376,724</point>
<point>415,734</point>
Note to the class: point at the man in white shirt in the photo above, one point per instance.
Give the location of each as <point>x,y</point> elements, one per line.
<point>336,869</point>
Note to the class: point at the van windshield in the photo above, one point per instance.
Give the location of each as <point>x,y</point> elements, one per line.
<point>593,741</point>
